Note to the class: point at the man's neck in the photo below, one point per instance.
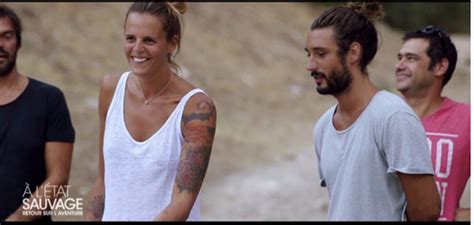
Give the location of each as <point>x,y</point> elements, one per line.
<point>10,80</point>
<point>424,103</point>
<point>11,86</point>
<point>352,102</point>
<point>357,97</point>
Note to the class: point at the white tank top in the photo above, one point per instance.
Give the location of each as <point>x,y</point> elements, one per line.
<point>139,176</point>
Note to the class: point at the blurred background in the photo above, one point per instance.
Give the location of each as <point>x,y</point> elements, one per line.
<point>250,58</point>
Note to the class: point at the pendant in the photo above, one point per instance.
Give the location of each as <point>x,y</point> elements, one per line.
<point>146,102</point>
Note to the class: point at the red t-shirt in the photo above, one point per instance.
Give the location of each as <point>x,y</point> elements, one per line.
<point>448,132</point>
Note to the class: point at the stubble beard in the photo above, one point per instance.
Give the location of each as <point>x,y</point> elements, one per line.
<point>8,65</point>
<point>337,83</point>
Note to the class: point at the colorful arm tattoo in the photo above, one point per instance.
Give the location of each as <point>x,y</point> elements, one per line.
<point>198,130</point>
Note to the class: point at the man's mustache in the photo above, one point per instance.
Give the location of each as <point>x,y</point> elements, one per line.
<point>315,74</point>
<point>3,53</point>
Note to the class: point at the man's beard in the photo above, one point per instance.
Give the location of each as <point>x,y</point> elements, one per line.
<point>7,66</point>
<point>336,83</point>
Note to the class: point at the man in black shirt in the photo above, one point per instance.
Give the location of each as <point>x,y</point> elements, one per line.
<point>36,134</point>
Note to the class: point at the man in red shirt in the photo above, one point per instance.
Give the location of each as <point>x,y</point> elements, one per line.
<point>427,61</point>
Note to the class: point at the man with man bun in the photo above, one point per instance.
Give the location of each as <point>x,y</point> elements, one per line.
<point>371,147</point>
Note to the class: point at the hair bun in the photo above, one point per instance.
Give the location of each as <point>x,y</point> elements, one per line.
<point>179,6</point>
<point>373,11</point>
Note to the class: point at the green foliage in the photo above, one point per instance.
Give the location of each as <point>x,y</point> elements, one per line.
<point>452,17</point>
<point>330,4</point>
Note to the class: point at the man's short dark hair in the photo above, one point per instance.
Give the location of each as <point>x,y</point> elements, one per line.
<point>440,46</point>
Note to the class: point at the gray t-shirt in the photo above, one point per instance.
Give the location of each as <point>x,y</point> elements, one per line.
<point>358,165</point>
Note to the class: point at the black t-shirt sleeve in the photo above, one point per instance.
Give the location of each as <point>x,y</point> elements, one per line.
<point>58,123</point>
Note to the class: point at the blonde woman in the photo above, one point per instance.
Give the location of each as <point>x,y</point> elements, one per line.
<point>156,129</point>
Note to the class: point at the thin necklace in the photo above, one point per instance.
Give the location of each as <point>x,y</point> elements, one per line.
<point>147,101</point>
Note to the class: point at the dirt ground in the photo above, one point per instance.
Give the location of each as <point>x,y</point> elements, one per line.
<point>249,58</point>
